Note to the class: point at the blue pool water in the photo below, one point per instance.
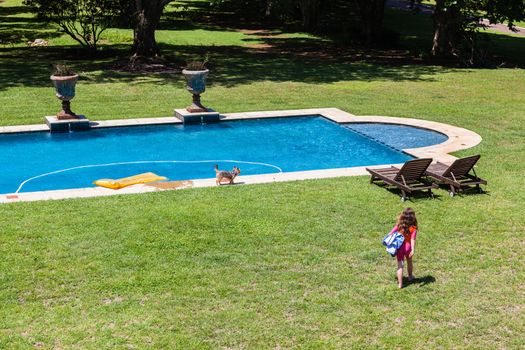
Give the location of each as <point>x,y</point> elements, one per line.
<point>45,161</point>
<point>399,136</point>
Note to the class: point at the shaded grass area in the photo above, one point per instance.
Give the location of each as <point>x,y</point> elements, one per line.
<point>286,67</point>
<point>290,265</point>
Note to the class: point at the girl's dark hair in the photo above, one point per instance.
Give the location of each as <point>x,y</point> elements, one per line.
<point>406,219</point>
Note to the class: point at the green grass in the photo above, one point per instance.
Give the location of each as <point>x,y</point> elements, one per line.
<point>296,265</point>
<point>289,265</point>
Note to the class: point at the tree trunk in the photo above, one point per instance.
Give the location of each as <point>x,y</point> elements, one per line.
<point>309,14</point>
<point>148,17</point>
<point>372,13</point>
<point>447,30</point>
<point>268,11</point>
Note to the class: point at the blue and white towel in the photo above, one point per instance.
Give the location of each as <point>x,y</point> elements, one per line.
<point>393,242</point>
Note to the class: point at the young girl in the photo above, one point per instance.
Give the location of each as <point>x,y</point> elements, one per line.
<point>407,226</point>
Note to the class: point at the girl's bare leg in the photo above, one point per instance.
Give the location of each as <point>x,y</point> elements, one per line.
<point>410,268</point>
<point>400,273</point>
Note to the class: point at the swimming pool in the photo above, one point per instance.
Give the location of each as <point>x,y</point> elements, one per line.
<point>397,136</point>
<point>46,161</point>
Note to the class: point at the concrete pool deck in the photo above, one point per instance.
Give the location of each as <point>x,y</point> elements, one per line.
<point>458,139</point>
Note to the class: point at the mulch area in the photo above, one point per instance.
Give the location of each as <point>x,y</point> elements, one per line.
<point>326,50</point>
<point>154,65</point>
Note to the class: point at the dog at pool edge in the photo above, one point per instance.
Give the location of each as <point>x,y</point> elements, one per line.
<point>224,174</point>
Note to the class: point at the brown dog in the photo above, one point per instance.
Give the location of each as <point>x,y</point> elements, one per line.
<point>228,175</point>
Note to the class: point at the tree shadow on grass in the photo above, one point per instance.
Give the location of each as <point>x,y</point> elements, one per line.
<point>230,66</point>
<point>510,50</point>
<point>201,11</point>
<point>12,10</point>
<point>416,31</point>
<point>9,36</point>
<point>236,66</point>
<point>288,61</point>
<point>16,29</point>
<point>269,55</point>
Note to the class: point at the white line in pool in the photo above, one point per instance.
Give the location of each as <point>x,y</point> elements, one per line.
<point>147,162</point>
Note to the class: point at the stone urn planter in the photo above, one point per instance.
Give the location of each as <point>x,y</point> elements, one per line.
<point>65,91</point>
<point>196,84</point>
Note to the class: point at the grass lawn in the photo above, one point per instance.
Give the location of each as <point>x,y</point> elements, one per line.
<point>288,265</point>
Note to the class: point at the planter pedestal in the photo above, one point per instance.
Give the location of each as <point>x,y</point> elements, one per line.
<point>66,113</point>
<point>210,116</point>
<point>196,106</point>
<point>55,124</point>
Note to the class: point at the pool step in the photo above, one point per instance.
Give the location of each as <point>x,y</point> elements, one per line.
<point>67,125</point>
<point>198,117</point>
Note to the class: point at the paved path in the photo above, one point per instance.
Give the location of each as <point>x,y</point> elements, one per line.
<point>428,10</point>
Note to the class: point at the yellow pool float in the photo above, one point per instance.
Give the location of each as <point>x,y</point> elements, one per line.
<point>116,184</point>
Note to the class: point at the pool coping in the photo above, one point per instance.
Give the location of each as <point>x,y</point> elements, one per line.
<point>458,139</point>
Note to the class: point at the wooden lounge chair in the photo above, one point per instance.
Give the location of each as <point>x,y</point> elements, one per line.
<point>457,175</point>
<point>408,179</point>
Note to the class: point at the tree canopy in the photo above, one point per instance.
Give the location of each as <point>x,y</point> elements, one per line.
<point>83,20</point>
<point>456,22</point>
